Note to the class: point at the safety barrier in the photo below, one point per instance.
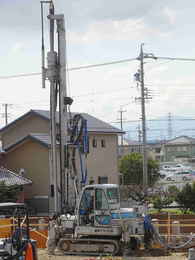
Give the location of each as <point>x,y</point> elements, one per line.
<point>5,227</point>
<point>172,230</point>
<point>38,229</point>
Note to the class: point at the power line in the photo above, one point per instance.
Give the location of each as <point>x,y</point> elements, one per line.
<point>149,120</point>
<point>95,66</point>
<point>20,75</point>
<point>70,69</point>
<point>101,64</point>
<point>174,58</point>
<point>170,84</point>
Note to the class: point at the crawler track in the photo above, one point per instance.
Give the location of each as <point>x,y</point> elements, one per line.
<point>88,246</point>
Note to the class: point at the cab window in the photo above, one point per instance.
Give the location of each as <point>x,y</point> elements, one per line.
<point>101,200</point>
<point>113,195</point>
<point>87,199</point>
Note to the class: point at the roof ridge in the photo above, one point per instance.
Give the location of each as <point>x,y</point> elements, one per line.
<point>4,171</point>
<point>94,123</point>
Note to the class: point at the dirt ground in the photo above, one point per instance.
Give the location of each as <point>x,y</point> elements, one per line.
<point>160,255</point>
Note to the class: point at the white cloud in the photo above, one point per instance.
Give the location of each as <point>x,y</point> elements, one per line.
<point>114,29</point>
<point>170,14</point>
<point>17,47</point>
<point>120,30</point>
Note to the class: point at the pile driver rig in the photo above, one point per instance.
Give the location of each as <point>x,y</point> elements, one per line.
<point>97,225</point>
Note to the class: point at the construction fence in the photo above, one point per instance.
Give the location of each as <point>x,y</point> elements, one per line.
<point>38,229</point>
<point>171,226</point>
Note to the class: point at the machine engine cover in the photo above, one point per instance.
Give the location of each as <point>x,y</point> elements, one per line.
<point>98,231</point>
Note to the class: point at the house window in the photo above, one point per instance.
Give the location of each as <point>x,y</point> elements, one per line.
<point>102,180</point>
<point>103,143</point>
<point>170,149</point>
<point>157,150</point>
<point>184,148</point>
<point>94,142</point>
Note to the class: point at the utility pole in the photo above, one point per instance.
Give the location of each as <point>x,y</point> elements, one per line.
<point>139,134</point>
<point>6,114</point>
<point>121,124</point>
<point>144,148</point>
<point>139,77</point>
<point>139,137</point>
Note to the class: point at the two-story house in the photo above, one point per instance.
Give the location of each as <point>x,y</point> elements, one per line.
<point>181,148</point>
<point>26,142</point>
<point>131,146</point>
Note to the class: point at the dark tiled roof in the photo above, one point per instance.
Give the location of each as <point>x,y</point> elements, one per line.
<point>11,178</point>
<point>131,142</point>
<point>183,139</point>
<point>43,139</point>
<point>94,124</point>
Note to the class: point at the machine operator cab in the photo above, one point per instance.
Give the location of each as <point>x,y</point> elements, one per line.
<point>94,217</point>
<point>94,209</point>
<point>96,203</point>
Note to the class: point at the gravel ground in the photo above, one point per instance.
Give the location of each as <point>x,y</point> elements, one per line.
<point>42,255</point>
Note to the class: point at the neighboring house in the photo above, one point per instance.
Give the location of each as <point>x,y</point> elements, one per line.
<point>10,178</point>
<point>155,150</point>
<point>26,142</point>
<point>131,146</point>
<point>181,148</point>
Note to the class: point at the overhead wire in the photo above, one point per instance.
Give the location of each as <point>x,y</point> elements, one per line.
<point>71,69</point>
<point>175,58</point>
<point>134,121</point>
<point>93,66</point>
<point>100,65</point>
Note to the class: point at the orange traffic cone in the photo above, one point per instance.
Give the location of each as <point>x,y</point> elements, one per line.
<point>29,252</point>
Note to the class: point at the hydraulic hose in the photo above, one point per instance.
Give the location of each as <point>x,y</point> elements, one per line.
<point>166,245</point>
<point>149,227</point>
<point>79,140</point>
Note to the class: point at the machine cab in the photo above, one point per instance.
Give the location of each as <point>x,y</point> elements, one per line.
<point>93,208</point>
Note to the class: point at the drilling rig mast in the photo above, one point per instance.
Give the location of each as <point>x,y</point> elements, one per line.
<point>56,74</point>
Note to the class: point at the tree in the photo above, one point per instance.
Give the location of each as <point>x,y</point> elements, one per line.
<point>131,166</point>
<point>160,202</point>
<point>173,192</point>
<point>137,193</point>
<point>8,193</point>
<point>185,197</point>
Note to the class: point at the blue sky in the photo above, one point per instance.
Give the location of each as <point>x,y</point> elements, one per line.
<point>101,31</point>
